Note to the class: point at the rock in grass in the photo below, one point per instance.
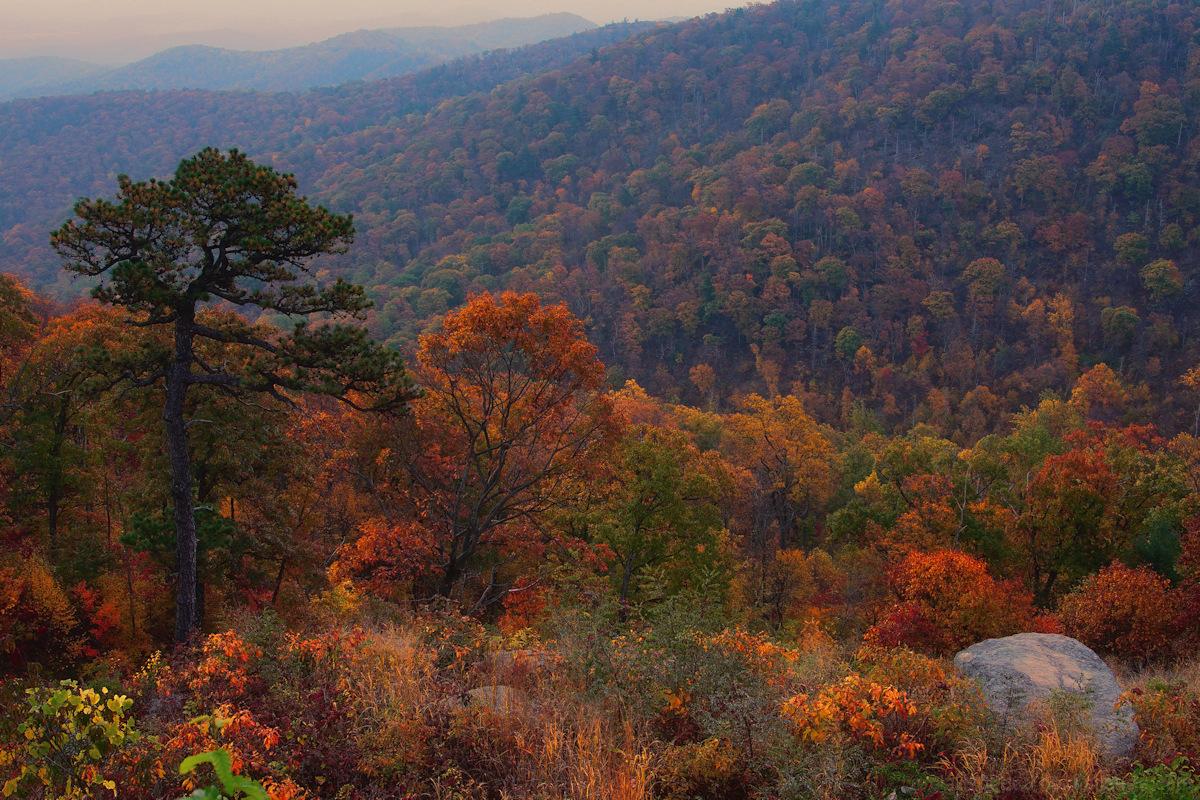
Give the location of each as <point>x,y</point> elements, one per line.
<point>1018,671</point>
<point>499,698</point>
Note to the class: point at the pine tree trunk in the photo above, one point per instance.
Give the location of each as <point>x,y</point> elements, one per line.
<point>187,615</point>
<point>55,491</point>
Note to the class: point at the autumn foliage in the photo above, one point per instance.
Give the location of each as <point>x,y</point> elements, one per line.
<point>859,710</point>
<point>1125,612</point>
<point>905,291</point>
<point>948,600</point>
<point>511,412</point>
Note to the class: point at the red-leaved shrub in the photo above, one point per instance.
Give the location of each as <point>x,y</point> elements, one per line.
<point>1129,613</point>
<point>948,601</point>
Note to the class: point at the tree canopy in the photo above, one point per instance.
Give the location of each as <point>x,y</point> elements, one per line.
<point>512,411</point>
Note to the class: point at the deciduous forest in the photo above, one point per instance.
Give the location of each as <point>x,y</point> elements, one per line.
<point>647,417</point>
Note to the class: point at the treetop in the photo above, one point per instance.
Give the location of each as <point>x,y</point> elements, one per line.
<point>222,227</point>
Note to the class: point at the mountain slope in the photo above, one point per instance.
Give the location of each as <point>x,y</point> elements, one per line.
<point>54,150</point>
<point>906,212</point>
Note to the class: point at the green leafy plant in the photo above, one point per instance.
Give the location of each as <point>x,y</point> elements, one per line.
<point>1174,781</point>
<point>67,740</point>
<point>231,786</point>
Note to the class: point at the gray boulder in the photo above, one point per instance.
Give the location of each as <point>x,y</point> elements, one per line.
<point>499,698</point>
<point>1027,669</point>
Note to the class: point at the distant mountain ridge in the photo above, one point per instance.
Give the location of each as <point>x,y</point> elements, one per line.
<point>19,76</point>
<point>55,149</point>
<point>361,55</point>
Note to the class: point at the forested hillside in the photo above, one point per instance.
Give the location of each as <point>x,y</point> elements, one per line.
<point>54,150</point>
<point>991,196</point>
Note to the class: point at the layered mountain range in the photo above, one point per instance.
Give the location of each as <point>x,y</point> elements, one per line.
<point>361,55</point>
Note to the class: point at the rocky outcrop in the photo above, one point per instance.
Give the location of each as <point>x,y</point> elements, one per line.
<point>1026,670</point>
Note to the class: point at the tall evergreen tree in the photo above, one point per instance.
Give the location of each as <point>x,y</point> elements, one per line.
<point>224,230</point>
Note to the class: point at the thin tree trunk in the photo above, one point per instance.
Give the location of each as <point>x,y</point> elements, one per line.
<point>283,562</point>
<point>187,615</point>
<point>626,578</point>
<point>55,491</point>
<point>453,570</point>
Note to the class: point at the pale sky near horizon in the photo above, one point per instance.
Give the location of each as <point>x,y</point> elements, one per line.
<point>119,30</point>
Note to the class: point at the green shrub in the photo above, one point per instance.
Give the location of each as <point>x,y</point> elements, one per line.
<point>1176,781</point>
<point>231,786</point>
<point>67,740</point>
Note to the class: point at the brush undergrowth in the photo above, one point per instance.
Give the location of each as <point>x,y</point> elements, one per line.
<point>358,706</point>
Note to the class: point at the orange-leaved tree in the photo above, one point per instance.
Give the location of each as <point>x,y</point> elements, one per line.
<point>18,331</point>
<point>948,601</point>
<point>18,325</point>
<point>1082,506</point>
<point>512,413</point>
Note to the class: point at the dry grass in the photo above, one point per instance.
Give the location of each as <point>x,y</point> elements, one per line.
<point>566,749</point>
<point>391,681</point>
<point>392,672</point>
<point>1060,764</point>
<point>549,743</point>
<point>1064,763</point>
<point>557,741</point>
<point>972,768</point>
<point>582,752</point>
<point>1186,672</point>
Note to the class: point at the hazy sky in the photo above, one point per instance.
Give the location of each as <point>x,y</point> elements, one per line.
<point>125,30</point>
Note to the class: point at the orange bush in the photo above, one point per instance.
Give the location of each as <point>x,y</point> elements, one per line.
<point>858,710</point>
<point>1124,612</point>
<point>950,707</point>
<point>1168,714</point>
<point>38,622</point>
<point>388,558</point>
<point>948,601</point>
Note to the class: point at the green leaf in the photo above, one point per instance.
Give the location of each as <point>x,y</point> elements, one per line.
<point>207,793</point>
<point>223,766</point>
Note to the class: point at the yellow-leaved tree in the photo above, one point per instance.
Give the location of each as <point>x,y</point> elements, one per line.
<point>791,460</point>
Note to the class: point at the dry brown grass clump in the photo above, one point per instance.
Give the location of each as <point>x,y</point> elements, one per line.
<point>543,738</point>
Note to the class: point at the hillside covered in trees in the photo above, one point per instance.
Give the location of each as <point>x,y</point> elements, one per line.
<point>748,602</point>
<point>82,143</point>
<point>989,196</point>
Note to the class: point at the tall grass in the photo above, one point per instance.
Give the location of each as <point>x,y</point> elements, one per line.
<point>551,741</point>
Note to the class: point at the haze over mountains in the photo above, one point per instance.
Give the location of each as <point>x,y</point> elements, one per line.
<point>361,55</point>
<point>905,203</point>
